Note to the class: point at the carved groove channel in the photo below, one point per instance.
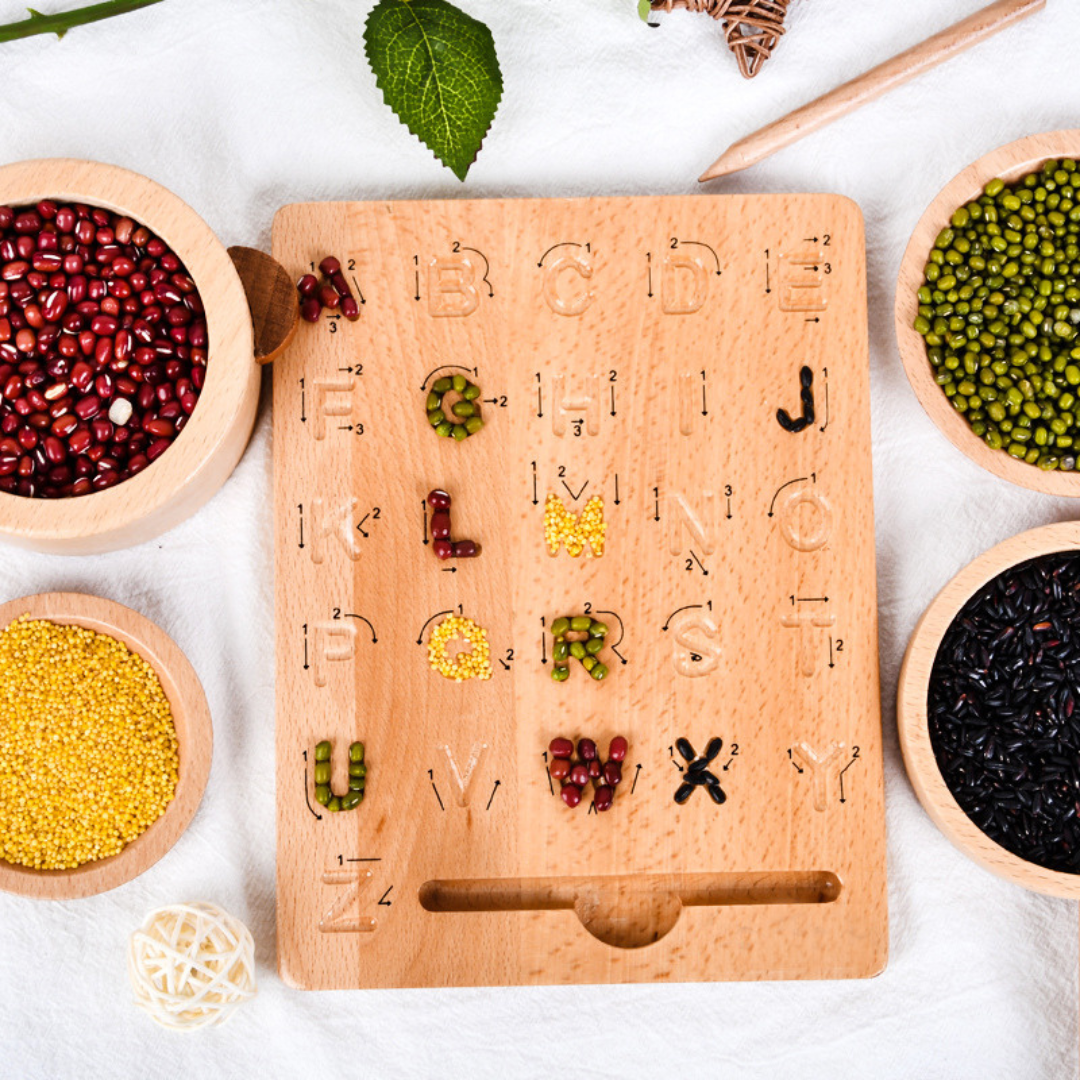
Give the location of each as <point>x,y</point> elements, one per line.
<point>630,911</point>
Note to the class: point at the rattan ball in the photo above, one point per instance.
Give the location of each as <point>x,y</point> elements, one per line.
<point>191,966</point>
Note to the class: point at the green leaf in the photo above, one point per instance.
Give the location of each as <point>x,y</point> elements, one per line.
<point>437,69</point>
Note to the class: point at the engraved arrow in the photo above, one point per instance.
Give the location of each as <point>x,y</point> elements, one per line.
<point>842,771</point>
<point>564,243</point>
<point>318,817</point>
<point>487,268</point>
<point>444,367</point>
<point>797,480</point>
<point>686,607</point>
<point>699,243</point>
<point>622,634</point>
<point>374,639</point>
<point>420,636</point>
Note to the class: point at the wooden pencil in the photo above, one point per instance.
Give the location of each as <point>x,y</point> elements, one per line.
<point>871,84</point>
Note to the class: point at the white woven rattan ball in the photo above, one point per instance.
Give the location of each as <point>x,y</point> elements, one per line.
<point>191,966</point>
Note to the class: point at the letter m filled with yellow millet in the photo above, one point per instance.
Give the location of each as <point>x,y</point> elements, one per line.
<point>562,527</point>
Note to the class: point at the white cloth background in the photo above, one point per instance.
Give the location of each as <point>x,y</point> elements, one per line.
<point>241,107</point>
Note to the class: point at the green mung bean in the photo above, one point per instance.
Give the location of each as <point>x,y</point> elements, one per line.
<point>324,794</point>
<point>999,310</point>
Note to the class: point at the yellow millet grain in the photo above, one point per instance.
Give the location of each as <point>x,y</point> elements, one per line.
<point>474,663</point>
<point>88,750</point>
<point>562,526</point>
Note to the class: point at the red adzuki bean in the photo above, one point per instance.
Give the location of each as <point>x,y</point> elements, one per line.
<point>440,525</point>
<point>559,769</point>
<point>96,315</point>
<point>445,548</point>
<point>575,776</point>
<point>561,748</point>
<point>343,290</point>
<point>334,293</point>
<point>464,549</point>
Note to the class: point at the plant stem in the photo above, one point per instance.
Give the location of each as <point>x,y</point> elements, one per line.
<point>60,24</point>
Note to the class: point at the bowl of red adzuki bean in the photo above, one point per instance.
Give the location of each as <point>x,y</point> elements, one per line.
<point>128,384</point>
<point>987,709</point>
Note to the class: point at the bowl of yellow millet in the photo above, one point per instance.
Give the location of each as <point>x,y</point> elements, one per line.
<point>105,745</point>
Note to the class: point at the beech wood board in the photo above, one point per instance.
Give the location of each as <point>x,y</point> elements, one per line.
<point>647,342</point>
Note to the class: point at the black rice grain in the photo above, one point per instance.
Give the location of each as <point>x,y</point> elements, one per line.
<point>1001,710</point>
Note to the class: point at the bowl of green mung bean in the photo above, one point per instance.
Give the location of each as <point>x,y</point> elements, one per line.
<point>988,312</point>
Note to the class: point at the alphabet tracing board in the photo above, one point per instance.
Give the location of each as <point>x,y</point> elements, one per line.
<point>692,371</point>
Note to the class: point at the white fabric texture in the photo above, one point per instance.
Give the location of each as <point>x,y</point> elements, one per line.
<point>241,107</point>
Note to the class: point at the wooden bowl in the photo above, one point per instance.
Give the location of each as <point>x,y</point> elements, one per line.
<point>911,714</point>
<point>1010,163</point>
<point>207,450</point>
<point>194,732</point>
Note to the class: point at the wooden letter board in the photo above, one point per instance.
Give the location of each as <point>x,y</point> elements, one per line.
<point>636,349</point>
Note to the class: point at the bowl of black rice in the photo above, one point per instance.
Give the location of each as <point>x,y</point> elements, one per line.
<point>988,709</point>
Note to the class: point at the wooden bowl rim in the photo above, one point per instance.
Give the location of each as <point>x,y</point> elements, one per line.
<point>230,332</point>
<point>1009,162</point>
<point>194,730</point>
<point>911,709</point>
